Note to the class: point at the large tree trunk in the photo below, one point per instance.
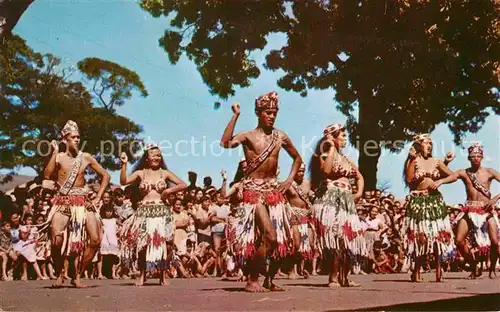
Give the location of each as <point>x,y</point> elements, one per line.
<point>369,142</point>
<point>10,13</point>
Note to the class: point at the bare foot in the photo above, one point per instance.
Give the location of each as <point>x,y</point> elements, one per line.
<point>66,277</point>
<point>333,284</point>
<point>254,286</point>
<point>353,284</point>
<point>77,283</point>
<point>140,281</point>
<point>101,277</point>
<point>271,286</point>
<point>306,274</point>
<point>493,275</point>
<point>292,276</point>
<point>59,282</point>
<point>24,278</point>
<point>314,273</point>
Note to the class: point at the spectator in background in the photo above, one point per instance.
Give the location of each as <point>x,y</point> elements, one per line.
<point>192,176</point>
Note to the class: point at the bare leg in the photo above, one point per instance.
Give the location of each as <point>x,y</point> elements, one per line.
<point>38,272</point>
<point>99,268</point>
<point>93,227</point>
<point>24,276</point>
<point>296,259</point>
<point>463,247</point>
<point>493,233</point>
<point>266,247</point>
<point>4,257</point>
<point>217,239</point>
<point>57,226</point>
<point>50,270</point>
<point>437,256</point>
<point>66,267</point>
<point>142,268</point>
<point>333,277</point>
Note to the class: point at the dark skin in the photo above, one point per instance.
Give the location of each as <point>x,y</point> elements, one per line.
<point>427,163</point>
<point>485,177</point>
<point>338,142</point>
<point>295,200</point>
<point>60,221</point>
<point>254,142</point>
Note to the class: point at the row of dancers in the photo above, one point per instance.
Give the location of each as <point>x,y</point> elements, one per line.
<point>272,219</point>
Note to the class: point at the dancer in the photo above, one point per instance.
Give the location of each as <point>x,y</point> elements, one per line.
<point>263,200</point>
<point>71,206</point>
<point>477,217</point>
<point>148,234</point>
<point>339,229</point>
<point>426,225</point>
<point>299,197</point>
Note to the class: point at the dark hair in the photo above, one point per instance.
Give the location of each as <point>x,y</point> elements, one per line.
<point>118,192</point>
<point>316,174</point>
<point>207,181</point>
<point>143,162</point>
<point>240,173</point>
<point>106,208</point>
<point>418,148</point>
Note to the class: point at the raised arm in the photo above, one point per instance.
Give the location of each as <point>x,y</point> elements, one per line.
<point>228,140</point>
<point>410,170</point>
<point>101,172</point>
<point>297,161</point>
<point>51,166</point>
<point>124,179</point>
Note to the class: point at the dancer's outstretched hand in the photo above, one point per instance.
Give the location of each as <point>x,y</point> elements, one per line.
<point>223,174</point>
<point>236,108</point>
<point>124,158</point>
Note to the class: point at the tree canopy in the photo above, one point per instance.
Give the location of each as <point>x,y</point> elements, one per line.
<point>398,67</point>
<point>37,98</point>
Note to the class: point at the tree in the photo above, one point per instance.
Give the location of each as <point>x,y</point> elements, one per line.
<point>36,100</point>
<point>112,84</point>
<point>10,13</point>
<point>403,66</point>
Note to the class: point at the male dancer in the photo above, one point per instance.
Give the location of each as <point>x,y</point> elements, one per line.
<point>263,199</point>
<point>72,212</point>
<point>299,198</point>
<point>477,214</point>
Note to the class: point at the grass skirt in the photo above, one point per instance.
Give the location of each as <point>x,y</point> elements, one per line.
<point>477,218</point>
<point>427,222</point>
<point>336,222</point>
<point>264,192</point>
<point>149,229</point>
<point>300,217</point>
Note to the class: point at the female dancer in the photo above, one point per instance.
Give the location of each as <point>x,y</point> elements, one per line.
<point>426,225</point>
<point>339,230</point>
<point>150,231</point>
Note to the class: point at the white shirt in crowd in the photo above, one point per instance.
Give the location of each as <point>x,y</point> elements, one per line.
<point>220,212</point>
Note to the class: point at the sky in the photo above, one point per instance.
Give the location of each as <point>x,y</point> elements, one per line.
<point>179,112</point>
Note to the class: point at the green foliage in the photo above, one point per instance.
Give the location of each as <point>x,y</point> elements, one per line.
<point>36,100</point>
<point>405,66</point>
<point>112,84</point>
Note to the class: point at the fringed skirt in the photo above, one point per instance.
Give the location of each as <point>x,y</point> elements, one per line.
<point>75,207</point>
<point>301,218</point>
<point>337,223</point>
<point>477,220</point>
<point>264,192</point>
<point>149,230</point>
<point>427,224</point>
